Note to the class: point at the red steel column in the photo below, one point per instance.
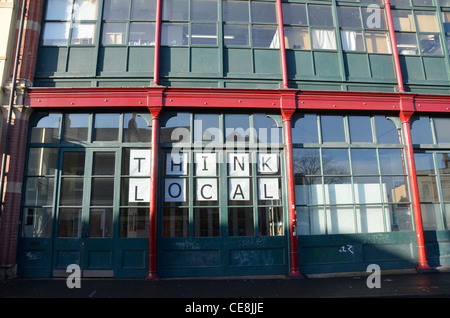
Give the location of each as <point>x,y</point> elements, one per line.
<point>398,70</point>
<point>405,116</point>
<point>157,43</point>
<point>282,45</point>
<point>153,234</point>
<point>293,238</point>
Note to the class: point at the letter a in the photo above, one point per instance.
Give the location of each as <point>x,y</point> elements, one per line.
<point>74,279</point>
<point>373,281</point>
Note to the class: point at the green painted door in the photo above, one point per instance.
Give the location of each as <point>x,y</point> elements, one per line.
<point>85,212</point>
<point>222,214</point>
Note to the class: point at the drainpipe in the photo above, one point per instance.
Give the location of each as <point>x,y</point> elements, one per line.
<point>405,117</point>
<point>282,45</point>
<point>11,104</point>
<point>398,70</point>
<point>157,43</point>
<point>153,251</point>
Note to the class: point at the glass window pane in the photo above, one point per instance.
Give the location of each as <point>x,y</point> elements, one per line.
<point>430,44</point>
<point>364,161</point>
<point>76,127</point>
<point>403,20</point>
<point>143,10</point>
<point>142,33</point>
<point>311,221</point>
<point>73,163</point>
<point>204,10</point>
<point>323,39</point>
<point>55,33</point>
<point>444,3</point>
<point>427,3</point>
<point>106,127</point>
<point>445,186</point>
<point>294,13</point>
<point>395,188</point>
<point>235,11</point>
<point>71,191</point>
<point>69,223</point>
<point>297,38</point>
<point>177,129</point>
<point>100,223</point>
<point>266,129</point>
<point>265,36</point>
<point>206,222</point>
<point>386,131</point>
<point>114,33</point>
<point>116,9</point>
<point>37,222</point>
<point>442,127</point>
<point>443,162</point>
<point>431,217</point>
<point>134,198</point>
<point>332,128</point>
<point>58,10</point>
<point>373,18</point>
<point>367,190</point>
<point>46,130</point>
<point>39,191</point>
<point>136,128</point>
<point>175,222</point>
<point>341,220</point>
<point>446,21</point>
<point>426,21</point>
<point>240,222</point>
<point>104,163</point>
<point>406,43</point>
<point>391,161</point>
<point>424,163</point>
<point>349,17</point>
<point>270,221</point>
<point>42,161</point>
<point>352,40</point>
<point>174,34</point>
<point>236,34</point>
<point>377,42</point>
<point>237,127</point>
<point>85,10</point>
<point>102,191</point>
<point>320,15</point>
<point>360,129</point>
<point>134,222</point>
<point>421,131</point>
<point>263,12</point>
<point>203,34</point>
<point>83,33</point>
<point>335,161</point>
<point>427,189</point>
<point>305,130</point>
<point>401,3</point>
<point>307,162</point>
<point>206,128</point>
<point>372,219</point>
<point>175,10</point>
<point>240,192</point>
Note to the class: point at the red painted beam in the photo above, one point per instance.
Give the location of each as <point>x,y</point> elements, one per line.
<point>225,98</point>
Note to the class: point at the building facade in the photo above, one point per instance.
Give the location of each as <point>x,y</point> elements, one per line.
<point>229,137</point>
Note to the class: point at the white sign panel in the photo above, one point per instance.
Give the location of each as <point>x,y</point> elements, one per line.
<point>139,190</point>
<point>205,164</point>
<point>139,162</point>
<point>176,164</point>
<point>239,189</point>
<point>238,164</point>
<point>207,189</point>
<point>175,190</point>
<point>268,189</point>
<point>268,163</point>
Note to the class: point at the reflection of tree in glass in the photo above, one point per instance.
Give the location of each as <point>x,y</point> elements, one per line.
<point>307,165</point>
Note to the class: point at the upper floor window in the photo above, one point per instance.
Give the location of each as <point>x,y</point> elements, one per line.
<point>70,21</point>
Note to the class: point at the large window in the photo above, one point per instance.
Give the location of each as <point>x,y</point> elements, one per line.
<point>350,175</point>
<point>75,163</point>
<point>70,22</point>
<point>431,140</point>
<point>416,28</point>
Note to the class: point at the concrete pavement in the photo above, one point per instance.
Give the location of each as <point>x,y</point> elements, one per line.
<point>429,285</point>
